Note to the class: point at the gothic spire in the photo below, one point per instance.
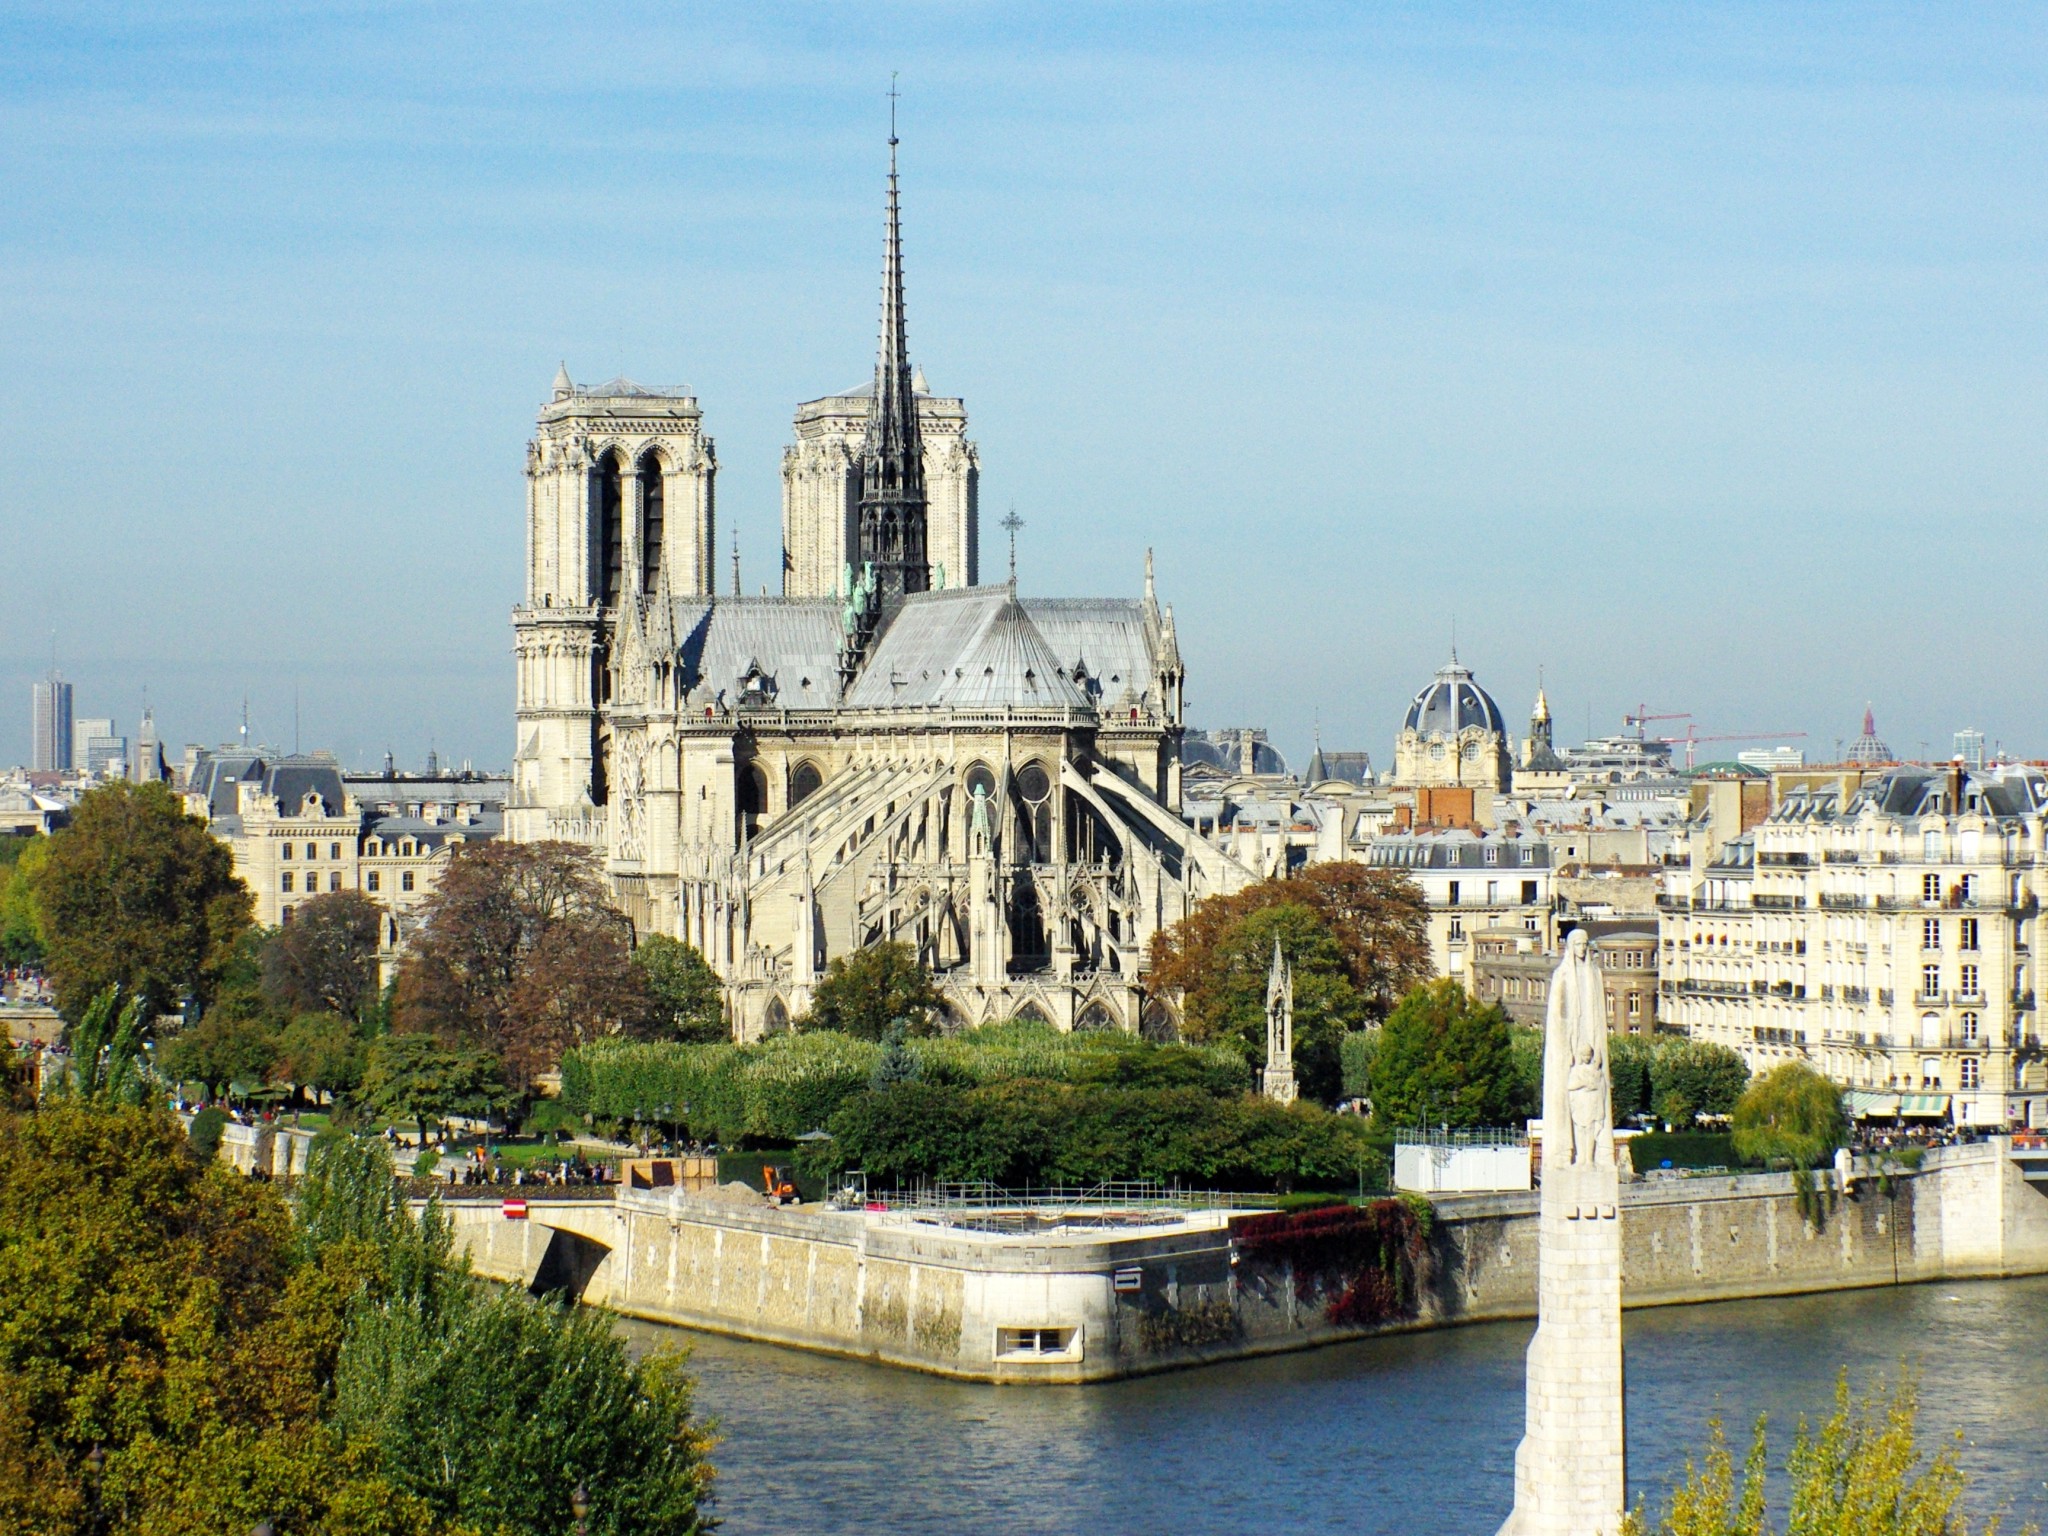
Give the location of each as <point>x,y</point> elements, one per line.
<point>892,493</point>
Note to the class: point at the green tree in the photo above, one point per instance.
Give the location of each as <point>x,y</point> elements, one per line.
<point>321,1052</point>
<point>1229,1002</point>
<point>139,895</point>
<point>417,1078</point>
<point>325,959</point>
<point>1444,1059</point>
<point>1689,1078</point>
<point>689,999</point>
<point>1791,1113</point>
<point>106,1052</point>
<point>225,1047</point>
<point>21,919</point>
<point>866,993</point>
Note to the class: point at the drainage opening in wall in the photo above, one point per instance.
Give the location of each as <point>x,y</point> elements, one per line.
<point>1038,1343</point>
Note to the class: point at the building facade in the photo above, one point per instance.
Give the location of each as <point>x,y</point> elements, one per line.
<point>1472,882</point>
<point>1511,968</point>
<point>1885,936</point>
<point>297,830</point>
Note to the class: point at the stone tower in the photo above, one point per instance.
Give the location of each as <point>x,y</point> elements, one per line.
<point>619,508</point>
<point>821,482</point>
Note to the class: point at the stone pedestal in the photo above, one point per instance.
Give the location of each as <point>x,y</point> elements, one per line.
<point>1571,1469</point>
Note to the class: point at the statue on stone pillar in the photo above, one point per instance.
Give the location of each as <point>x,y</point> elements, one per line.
<point>1578,1112</point>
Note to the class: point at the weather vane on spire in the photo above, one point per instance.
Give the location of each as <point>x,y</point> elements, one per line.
<point>1013,522</point>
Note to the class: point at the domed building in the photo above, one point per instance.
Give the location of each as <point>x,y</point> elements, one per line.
<point>1454,737</point>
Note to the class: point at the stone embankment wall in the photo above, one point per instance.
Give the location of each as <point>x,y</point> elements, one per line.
<point>934,1299</point>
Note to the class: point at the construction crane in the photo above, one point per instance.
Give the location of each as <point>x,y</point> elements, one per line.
<point>1643,717</point>
<point>1692,738</point>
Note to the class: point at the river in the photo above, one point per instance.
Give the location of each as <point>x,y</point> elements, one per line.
<point>1406,1434</point>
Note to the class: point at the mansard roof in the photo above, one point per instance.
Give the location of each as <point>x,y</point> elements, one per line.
<point>970,648</point>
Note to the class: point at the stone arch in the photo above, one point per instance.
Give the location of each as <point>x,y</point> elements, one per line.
<point>1097,1015</point>
<point>775,1017</point>
<point>1029,1012</point>
<point>1158,1023</point>
<point>750,795</point>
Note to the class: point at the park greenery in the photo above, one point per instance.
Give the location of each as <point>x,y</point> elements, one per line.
<point>1862,1472</point>
<point>184,1351</point>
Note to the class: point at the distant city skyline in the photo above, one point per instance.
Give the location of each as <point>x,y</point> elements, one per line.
<point>1690,360</point>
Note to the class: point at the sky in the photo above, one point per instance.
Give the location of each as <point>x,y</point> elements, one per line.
<point>1683,356</point>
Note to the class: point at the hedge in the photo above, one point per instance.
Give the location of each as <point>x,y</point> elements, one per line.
<point>1036,1132</point>
<point>1683,1149</point>
<point>792,1083</point>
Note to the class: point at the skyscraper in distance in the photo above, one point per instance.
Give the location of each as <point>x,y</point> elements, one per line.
<point>51,752</point>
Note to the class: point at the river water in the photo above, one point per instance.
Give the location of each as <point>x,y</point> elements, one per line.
<point>1405,1434</point>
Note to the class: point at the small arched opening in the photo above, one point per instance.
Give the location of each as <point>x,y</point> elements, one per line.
<point>753,798</point>
<point>653,505</point>
<point>611,529</point>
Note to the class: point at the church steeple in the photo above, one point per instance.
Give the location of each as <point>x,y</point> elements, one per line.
<point>892,490</point>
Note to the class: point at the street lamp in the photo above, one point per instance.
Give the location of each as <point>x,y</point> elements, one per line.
<point>579,1505</point>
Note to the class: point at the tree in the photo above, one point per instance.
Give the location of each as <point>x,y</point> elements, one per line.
<point>1792,1114</point>
<point>325,959</point>
<point>417,1077</point>
<point>21,919</point>
<point>1444,1059</point>
<point>866,993</point>
<point>520,952</point>
<point>689,999</point>
<point>139,895</point>
<point>322,1052</point>
<point>225,1047</point>
<point>1376,916</point>
<point>1689,1078</point>
<point>1228,1000</point>
<point>1861,1474</point>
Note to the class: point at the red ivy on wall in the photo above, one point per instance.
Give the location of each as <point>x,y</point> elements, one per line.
<point>1369,1260</point>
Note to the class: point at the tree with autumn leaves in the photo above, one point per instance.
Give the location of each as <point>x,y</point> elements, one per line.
<point>1356,937</point>
<point>521,953</point>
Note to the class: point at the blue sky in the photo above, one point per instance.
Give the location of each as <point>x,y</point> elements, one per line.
<point>1690,354</point>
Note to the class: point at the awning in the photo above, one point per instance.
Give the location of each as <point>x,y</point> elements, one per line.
<point>1935,1104</point>
<point>1872,1106</point>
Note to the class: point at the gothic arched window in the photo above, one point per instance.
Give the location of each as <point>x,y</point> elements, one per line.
<point>652,508</point>
<point>804,782</point>
<point>611,530</point>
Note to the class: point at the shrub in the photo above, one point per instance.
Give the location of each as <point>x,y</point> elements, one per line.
<point>1355,1054</point>
<point>203,1135</point>
<point>1689,1078</point>
<point>1683,1149</point>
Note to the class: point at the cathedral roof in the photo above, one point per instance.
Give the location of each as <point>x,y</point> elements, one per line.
<point>788,646</point>
<point>1102,643</point>
<point>970,648</point>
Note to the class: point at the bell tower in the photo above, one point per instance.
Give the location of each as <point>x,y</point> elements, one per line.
<point>620,507</point>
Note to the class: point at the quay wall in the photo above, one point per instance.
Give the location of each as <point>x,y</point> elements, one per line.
<point>936,1299</point>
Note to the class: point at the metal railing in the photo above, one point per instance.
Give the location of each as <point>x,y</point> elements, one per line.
<point>1057,1199</point>
<point>1477,1136</point>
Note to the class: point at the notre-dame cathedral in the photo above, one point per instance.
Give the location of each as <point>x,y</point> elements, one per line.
<point>889,750</point>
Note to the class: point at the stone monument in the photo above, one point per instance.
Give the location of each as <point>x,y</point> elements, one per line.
<point>1571,1469</point>
<point>1276,1081</point>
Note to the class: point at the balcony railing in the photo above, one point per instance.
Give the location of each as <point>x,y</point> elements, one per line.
<point>2023,1001</point>
<point>1840,901</point>
<point>1926,999</point>
<point>1855,994</point>
<point>1784,860</point>
<point>1769,903</point>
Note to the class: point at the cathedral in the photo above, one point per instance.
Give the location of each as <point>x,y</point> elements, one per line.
<point>888,750</point>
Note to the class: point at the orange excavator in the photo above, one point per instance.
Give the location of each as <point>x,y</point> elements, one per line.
<point>776,1184</point>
